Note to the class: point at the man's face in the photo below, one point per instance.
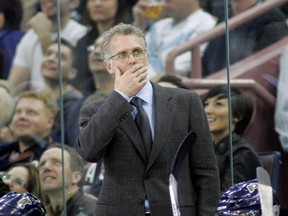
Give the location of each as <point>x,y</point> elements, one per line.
<point>120,44</point>
<point>49,65</point>
<point>31,119</point>
<point>50,170</point>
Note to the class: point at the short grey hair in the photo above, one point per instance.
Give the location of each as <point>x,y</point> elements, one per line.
<point>120,29</point>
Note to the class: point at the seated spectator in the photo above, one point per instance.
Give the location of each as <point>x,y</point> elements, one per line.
<point>29,53</point>
<point>10,34</point>
<point>102,79</point>
<point>100,16</point>
<point>31,125</point>
<point>50,73</point>
<point>171,81</point>
<point>94,172</point>
<point>186,20</point>
<point>243,39</point>
<point>23,177</point>
<point>104,82</point>
<point>245,159</point>
<point>50,171</point>
<point>281,108</point>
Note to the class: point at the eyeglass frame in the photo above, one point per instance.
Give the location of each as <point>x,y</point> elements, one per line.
<point>17,181</point>
<point>128,55</point>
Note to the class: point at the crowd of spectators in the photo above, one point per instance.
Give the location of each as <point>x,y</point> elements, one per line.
<point>32,98</point>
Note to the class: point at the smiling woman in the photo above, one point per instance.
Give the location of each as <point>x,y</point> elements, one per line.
<point>23,177</point>
<point>245,159</point>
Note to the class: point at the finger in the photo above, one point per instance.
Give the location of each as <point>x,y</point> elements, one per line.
<point>143,77</point>
<point>136,68</point>
<point>141,70</point>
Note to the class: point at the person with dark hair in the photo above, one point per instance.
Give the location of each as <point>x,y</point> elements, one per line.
<point>137,129</point>
<point>11,13</point>
<point>50,73</point>
<point>23,177</point>
<point>43,30</point>
<point>245,159</point>
<point>50,172</point>
<point>100,16</point>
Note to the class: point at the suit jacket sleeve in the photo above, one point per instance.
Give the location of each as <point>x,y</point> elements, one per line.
<point>99,121</point>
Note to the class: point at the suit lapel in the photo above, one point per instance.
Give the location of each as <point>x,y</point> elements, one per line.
<point>164,112</point>
<point>130,129</point>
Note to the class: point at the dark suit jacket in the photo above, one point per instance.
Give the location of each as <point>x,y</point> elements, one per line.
<point>109,132</point>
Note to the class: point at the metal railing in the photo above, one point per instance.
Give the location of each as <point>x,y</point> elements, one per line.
<point>193,45</point>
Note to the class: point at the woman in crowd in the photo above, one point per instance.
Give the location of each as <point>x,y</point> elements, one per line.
<point>100,17</point>
<point>23,177</point>
<point>245,159</point>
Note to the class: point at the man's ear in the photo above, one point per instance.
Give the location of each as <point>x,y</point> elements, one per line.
<point>108,66</point>
<point>73,4</point>
<point>76,177</point>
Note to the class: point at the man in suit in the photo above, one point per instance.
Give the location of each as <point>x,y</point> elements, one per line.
<point>136,180</point>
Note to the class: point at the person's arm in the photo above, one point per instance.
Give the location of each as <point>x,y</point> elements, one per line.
<point>43,27</point>
<point>20,71</point>
<point>18,75</point>
<point>204,168</point>
<point>99,121</point>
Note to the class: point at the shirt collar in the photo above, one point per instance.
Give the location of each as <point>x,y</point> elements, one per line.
<point>146,93</point>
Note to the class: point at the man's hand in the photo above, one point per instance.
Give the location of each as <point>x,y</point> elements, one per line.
<point>131,81</point>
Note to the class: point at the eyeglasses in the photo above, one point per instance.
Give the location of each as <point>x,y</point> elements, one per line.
<point>124,56</point>
<point>6,177</point>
